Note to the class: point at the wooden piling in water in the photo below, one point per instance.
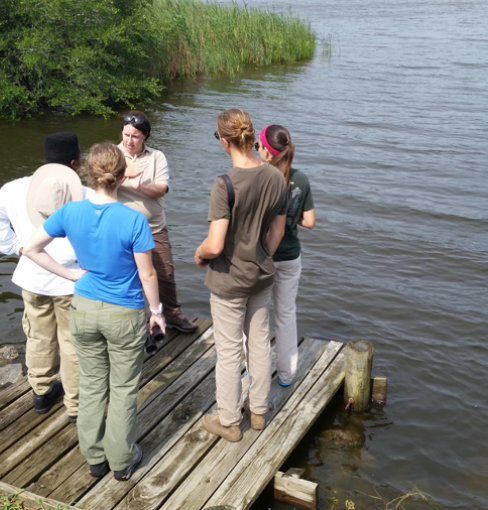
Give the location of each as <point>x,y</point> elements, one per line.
<point>357,384</point>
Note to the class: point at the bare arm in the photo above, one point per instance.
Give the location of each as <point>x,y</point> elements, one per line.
<point>275,233</point>
<point>308,219</point>
<point>214,243</point>
<point>149,281</point>
<point>150,190</point>
<point>34,249</point>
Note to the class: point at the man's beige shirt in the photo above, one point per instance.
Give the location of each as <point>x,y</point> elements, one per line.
<point>154,171</point>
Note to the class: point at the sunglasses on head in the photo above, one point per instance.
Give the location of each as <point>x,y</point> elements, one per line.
<point>136,119</point>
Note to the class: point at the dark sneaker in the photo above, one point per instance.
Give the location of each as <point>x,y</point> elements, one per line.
<point>72,419</point>
<point>99,470</point>
<point>125,474</point>
<point>43,403</point>
<point>183,325</point>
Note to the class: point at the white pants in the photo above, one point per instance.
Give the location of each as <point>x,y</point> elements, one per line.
<point>285,291</point>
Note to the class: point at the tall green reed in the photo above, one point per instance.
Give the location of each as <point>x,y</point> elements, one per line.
<point>196,38</point>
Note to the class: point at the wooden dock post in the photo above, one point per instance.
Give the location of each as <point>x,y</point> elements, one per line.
<point>357,385</point>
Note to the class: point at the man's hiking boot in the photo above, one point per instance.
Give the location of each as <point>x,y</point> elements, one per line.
<point>99,470</point>
<point>258,421</point>
<point>72,418</point>
<point>211,422</point>
<point>43,403</point>
<point>125,474</point>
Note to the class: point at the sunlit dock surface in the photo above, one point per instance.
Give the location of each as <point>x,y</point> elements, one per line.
<point>184,466</point>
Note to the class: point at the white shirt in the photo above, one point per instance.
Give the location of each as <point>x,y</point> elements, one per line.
<point>16,229</point>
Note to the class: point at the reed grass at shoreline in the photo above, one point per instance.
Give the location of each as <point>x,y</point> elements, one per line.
<point>91,55</point>
<point>196,38</point>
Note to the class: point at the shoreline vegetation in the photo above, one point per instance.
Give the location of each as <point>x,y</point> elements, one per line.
<point>93,55</point>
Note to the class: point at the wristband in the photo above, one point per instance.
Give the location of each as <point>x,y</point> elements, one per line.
<point>159,311</point>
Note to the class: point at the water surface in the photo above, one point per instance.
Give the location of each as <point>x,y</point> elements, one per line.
<point>392,132</point>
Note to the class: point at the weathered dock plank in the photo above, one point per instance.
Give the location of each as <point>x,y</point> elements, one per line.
<point>184,467</point>
<point>19,428</point>
<point>182,375</point>
<point>43,458</point>
<point>204,480</point>
<point>15,410</point>
<point>30,500</point>
<point>14,391</point>
<point>262,462</point>
<point>32,441</point>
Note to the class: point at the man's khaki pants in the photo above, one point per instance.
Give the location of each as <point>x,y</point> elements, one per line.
<point>237,321</point>
<point>109,340</point>
<point>49,346</point>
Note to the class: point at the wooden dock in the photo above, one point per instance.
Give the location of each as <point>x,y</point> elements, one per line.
<point>184,467</point>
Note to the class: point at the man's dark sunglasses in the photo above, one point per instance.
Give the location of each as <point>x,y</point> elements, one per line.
<point>216,134</point>
<point>136,119</point>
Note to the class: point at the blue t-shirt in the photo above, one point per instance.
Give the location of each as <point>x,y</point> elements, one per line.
<point>105,238</point>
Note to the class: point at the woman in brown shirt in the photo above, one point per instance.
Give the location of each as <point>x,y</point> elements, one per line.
<point>238,251</point>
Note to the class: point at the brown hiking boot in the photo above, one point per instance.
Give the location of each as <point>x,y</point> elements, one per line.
<point>258,421</point>
<point>211,422</point>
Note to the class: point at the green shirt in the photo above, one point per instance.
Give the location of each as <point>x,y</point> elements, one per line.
<point>299,200</point>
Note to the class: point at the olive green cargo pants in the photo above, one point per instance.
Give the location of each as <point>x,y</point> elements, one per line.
<point>109,341</point>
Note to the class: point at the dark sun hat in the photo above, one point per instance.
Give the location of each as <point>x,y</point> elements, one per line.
<point>52,185</point>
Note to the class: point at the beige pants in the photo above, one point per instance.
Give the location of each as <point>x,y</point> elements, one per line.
<point>285,289</point>
<point>49,346</point>
<point>237,321</point>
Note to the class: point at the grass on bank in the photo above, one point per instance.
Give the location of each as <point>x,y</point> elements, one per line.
<point>91,55</point>
<point>14,502</point>
<point>196,38</point>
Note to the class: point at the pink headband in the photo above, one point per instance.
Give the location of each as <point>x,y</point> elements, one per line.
<point>262,137</point>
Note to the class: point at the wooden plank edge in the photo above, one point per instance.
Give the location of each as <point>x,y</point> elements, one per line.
<point>295,491</point>
<point>318,397</point>
<point>378,390</point>
<point>14,391</point>
<point>33,501</point>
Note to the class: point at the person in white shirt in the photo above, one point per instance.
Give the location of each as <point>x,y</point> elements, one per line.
<point>24,204</point>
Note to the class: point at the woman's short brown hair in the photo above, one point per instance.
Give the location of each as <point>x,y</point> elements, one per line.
<point>236,127</point>
<point>104,166</point>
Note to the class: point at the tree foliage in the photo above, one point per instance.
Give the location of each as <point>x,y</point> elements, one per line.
<point>83,55</point>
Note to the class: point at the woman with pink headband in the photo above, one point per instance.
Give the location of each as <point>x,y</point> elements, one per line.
<point>276,148</point>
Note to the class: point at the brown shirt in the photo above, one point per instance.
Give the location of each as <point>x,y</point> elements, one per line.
<point>245,266</point>
<point>155,171</point>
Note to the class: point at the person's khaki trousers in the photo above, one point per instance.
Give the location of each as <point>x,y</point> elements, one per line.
<point>285,289</point>
<point>238,321</point>
<point>49,349</point>
<point>109,340</point>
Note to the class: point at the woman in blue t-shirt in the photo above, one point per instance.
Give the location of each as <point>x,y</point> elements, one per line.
<point>276,148</point>
<point>113,246</point>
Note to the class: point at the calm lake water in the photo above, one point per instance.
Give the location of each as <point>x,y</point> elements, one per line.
<point>392,131</point>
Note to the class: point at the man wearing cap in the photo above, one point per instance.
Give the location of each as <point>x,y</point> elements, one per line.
<point>24,205</point>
